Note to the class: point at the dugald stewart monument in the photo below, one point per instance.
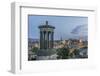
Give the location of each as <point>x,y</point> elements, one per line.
<point>57,37</point>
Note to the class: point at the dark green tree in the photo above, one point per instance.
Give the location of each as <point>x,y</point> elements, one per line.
<point>34,50</point>
<point>62,53</point>
<point>76,52</point>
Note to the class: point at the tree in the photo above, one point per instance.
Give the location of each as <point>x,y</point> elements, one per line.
<point>34,50</point>
<point>76,52</point>
<point>63,53</point>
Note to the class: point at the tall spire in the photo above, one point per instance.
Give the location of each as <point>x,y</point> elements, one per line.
<point>61,38</point>
<point>46,22</point>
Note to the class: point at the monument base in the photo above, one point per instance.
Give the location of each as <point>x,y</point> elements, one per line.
<point>46,54</point>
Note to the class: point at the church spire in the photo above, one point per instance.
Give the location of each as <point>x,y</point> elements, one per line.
<point>61,38</point>
<point>46,22</point>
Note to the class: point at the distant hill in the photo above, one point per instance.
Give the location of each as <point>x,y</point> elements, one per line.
<point>33,40</point>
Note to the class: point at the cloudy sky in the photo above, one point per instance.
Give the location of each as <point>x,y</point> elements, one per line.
<point>66,27</point>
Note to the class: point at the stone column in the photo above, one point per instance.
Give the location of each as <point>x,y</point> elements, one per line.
<point>44,40</point>
<point>48,40</point>
<point>52,33</point>
<point>41,40</point>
